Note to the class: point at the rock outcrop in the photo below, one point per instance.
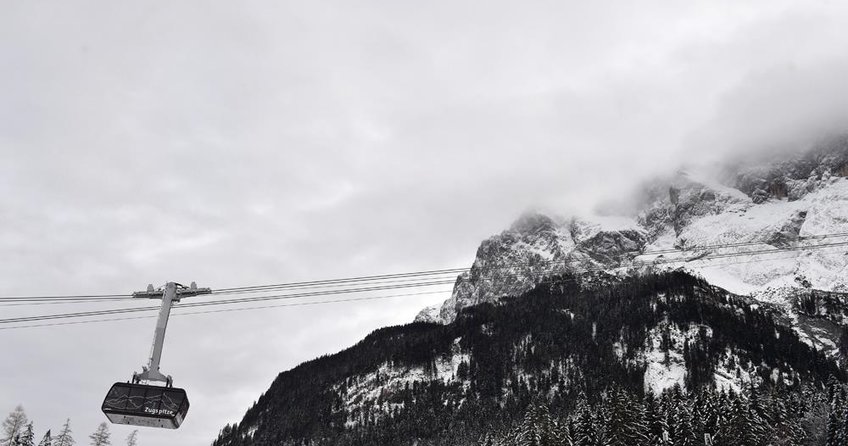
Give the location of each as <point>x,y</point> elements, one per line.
<point>726,227</point>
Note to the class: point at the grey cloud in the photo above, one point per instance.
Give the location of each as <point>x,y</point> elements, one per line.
<point>278,141</point>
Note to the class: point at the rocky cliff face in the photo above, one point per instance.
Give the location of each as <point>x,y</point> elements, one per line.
<point>756,228</point>
<point>537,247</point>
<point>795,176</point>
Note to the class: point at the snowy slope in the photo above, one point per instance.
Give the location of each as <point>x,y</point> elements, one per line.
<point>767,226</point>
<point>797,202</point>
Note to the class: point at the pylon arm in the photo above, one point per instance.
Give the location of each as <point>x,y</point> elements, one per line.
<point>170,295</point>
<point>151,372</point>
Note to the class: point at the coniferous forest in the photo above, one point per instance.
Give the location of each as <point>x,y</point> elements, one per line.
<point>566,364</point>
<point>18,430</point>
<point>773,415</point>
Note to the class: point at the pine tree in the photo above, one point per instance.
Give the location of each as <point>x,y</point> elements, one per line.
<point>13,426</point>
<point>100,437</point>
<point>668,410</point>
<point>626,420</point>
<point>814,407</point>
<point>837,419</point>
<point>700,414</point>
<point>785,426</point>
<point>842,413</point>
<point>132,439</point>
<point>511,438</point>
<point>540,429</point>
<point>27,438</point>
<point>754,401</point>
<point>833,429</point>
<point>585,430</point>
<point>654,419</point>
<point>709,418</point>
<point>835,423</point>
<point>745,427</point>
<point>64,438</point>
<point>47,440</point>
<point>487,440</point>
<point>684,429</point>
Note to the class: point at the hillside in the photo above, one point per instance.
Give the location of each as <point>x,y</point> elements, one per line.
<point>564,343</point>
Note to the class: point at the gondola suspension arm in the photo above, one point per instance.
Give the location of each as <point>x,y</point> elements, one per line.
<point>172,292</point>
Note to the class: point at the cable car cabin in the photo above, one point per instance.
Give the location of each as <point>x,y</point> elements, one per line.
<point>143,405</point>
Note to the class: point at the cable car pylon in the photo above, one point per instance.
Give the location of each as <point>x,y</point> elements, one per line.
<point>139,403</point>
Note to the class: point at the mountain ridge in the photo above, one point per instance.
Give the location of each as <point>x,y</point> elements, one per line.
<point>426,383</point>
<point>781,204</point>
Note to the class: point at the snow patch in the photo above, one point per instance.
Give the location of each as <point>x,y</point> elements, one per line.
<point>371,392</point>
<point>430,314</point>
<point>663,355</point>
<point>730,373</point>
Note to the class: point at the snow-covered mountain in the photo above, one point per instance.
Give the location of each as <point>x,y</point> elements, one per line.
<point>741,226</point>
<point>726,278</point>
<point>564,342</point>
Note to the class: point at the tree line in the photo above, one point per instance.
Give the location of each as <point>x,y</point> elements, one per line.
<point>756,416</point>
<point>18,430</point>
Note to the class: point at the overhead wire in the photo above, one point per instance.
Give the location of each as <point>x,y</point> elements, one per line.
<point>262,288</point>
<point>178,310</point>
<point>543,266</point>
<point>64,302</point>
<point>379,278</point>
<point>347,280</point>
<point>223,302</point>
<point>223,310</point>
<point>739,244</point>
<point>382,278</point>
<point>91,297</point>
<point>389,285</point>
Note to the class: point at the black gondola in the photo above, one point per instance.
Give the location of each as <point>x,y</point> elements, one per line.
<point>143,405</point>
<point>139,404</point>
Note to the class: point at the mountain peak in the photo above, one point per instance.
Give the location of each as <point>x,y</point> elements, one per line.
<point>767,204</point>
<point>533,222</point>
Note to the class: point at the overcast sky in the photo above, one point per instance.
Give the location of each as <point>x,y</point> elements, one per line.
<point>253,142</point>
